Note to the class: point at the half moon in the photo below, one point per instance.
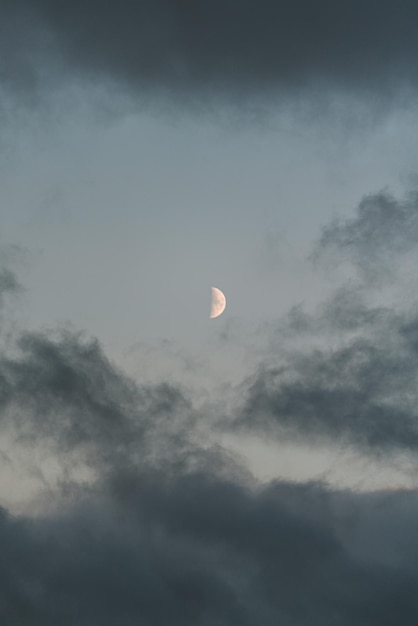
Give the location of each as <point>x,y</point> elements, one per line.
<point>218,303</point>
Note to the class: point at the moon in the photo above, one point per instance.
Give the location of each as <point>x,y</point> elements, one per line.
<point>218,303</point>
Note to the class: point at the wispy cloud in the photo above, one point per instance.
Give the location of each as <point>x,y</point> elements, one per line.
<point>8,283</point>
<point>383,230</point>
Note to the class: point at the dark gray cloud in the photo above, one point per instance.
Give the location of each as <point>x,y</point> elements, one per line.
<point>362,394</point>
<point>229,48</point>
<point>65,393</point>
<point>198,550</point>
<point>357,386</point>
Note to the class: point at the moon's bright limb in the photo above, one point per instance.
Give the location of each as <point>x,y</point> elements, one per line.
<point>218,303</point>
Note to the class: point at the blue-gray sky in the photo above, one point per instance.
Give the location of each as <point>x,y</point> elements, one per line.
<point>158,467</point>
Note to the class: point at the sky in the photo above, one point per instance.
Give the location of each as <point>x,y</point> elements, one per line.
<point>157,467</point>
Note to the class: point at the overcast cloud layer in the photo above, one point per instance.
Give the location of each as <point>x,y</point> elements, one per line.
<point>222,48</point>
<point>168,530</point>
<point>140,516</point>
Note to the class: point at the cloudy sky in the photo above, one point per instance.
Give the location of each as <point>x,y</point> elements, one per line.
<point>158,468</point>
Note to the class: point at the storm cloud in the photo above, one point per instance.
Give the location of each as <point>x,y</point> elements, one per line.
<point>199,551</point>
<point>223,48</point>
